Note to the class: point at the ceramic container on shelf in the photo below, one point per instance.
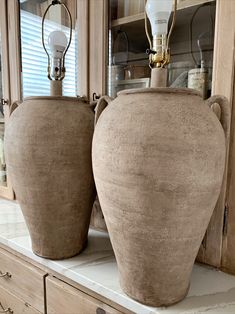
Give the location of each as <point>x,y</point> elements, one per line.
<point>158,160</point>
<point>48,155</point>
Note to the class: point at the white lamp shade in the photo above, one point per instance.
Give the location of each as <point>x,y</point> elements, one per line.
<point>158,12</point>
<point>57,41</point>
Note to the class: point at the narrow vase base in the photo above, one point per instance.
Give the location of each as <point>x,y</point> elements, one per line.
<point>155,303</point>
<point>62,256</point>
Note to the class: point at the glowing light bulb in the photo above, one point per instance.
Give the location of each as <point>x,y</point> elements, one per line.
<point>57,41</point>
<point>158,12</point>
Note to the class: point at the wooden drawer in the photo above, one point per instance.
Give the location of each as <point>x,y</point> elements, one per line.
<point>16,305</point>
<point>25,281</point>
<point>63,298</point>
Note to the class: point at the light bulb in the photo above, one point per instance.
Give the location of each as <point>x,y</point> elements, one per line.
<point>57,41</point>
<point>158,12</point>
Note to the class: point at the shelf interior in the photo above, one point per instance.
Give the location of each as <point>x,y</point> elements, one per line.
<point>183,4</point>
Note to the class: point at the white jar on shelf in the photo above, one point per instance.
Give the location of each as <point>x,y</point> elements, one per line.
<point>198,80</point>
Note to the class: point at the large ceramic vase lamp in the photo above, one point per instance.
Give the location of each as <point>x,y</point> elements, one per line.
<point>48,154</point>
<point>158,161</point>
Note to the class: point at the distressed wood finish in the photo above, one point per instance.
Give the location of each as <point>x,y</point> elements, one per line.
<point>98,35</point>
<point>223,80</point>
<point>26,281</point>
<point>98,42</point>
<point>82,28</point>
<point>183,4</point>
<point>14,49</point>
<point>228,254</point>
<point>62,298</point>
<point>5,191</point>
<point>66,280</point>
<point>18,306</point>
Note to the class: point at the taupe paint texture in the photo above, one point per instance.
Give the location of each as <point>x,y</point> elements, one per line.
<point>48,155</point>
<point>158,161</point>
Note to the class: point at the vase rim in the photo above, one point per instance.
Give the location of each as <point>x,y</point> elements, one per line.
<point>167,90</point>
<point>54,98</point>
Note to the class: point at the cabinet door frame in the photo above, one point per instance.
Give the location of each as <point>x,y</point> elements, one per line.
<point>13,7</point>
<point>98,41</point>
<point>214,249</point>
<point>5,191</point>
<point>226,75</point>
<point>83,47</point>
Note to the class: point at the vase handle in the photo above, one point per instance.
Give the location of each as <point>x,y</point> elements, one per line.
<point>101,105</point>
<point>221,107</point>
<point>14,105</point>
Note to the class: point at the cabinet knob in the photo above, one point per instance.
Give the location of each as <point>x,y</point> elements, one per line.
<point>100,311</point>
<point>7,274</point>
<point>95,97</point>
<point>8,310</point>
<point>3,102</point>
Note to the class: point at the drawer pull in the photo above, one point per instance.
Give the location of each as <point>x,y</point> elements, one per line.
<point>5,274</point>
<point>6,310</point>
<point>100,311</point>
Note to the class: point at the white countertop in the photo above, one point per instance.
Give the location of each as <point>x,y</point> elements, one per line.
<point>211,292</point>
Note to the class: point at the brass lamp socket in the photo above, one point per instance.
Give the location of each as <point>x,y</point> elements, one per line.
<point>56,73</point>
<point>160,55</point>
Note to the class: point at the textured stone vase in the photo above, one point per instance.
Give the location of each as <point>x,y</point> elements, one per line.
<point>48,156</point>
<point>158,160</point>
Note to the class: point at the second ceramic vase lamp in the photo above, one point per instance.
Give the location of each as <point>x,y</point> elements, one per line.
<point>158,159</point>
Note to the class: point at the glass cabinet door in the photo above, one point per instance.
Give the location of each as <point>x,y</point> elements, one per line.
<point>3,179</point>
<point>128,62</point>
<point>23,62</point>
<point>5,187</point>
<point>191,46</point>
<point>33,56</point>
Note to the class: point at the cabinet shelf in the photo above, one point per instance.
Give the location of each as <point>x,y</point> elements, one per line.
<point>128,19</point>
<point>183,4</point>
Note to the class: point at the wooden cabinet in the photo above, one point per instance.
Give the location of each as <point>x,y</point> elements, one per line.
<point>12,304</point>
<point>224,83</point>
<point>22,280</point>
<point>27,289</point>
<point>111,37</point>
<point>63,298</point>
